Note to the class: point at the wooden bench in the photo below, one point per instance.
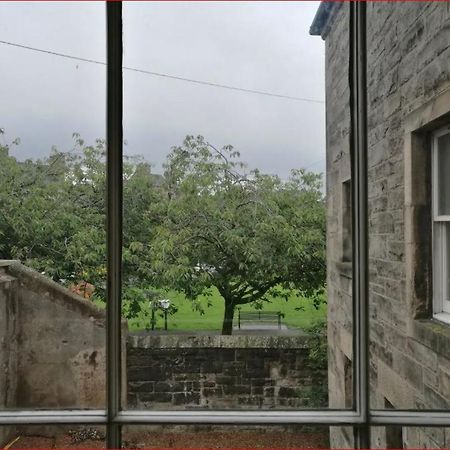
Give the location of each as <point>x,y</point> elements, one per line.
<point>260,316</point>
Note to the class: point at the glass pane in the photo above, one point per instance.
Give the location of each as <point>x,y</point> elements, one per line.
<point>181,371</point>
<point>46,436</point>
<point>443,166</point>
<point>339,218</point>
<point>221,436</point>
<point>409,359</point>
<point>398,437</point>
<point>426,437</point>
<point>342,437</point>
<point>52,202</point>
<point>225,266</point>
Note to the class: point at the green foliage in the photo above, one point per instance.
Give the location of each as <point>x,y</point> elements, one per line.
<point>206,313</point>
<point>318,345</point>
<point>318,362</point>
<point>54,217</point>
<point>53,212</point>
<point>252,236</point>
<point>208,224</point>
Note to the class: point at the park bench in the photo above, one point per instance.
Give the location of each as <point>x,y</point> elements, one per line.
<point>266,317</point>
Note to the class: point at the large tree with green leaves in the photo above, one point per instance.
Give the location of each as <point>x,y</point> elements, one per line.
<point>53,216</point>
<point>249,235</point>
<point>207,223</point>
<point>53,211</point>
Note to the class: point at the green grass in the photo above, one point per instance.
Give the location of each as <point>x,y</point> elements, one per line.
<point>187,318</point>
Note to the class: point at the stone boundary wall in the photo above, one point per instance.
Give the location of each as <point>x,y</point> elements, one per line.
<point>223,372</point>
<point>52,345</point>
<point>8,346</point>
<point>52,355</point>
<point>61,349</point>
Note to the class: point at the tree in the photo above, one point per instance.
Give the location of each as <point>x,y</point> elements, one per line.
<point>141,214</point>
<point>54,216</point>
<point>249,235</point>
<point>205,224</point>
<point>53,212</point>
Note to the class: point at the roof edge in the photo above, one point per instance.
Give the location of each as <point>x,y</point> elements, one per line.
<point>321,21</point>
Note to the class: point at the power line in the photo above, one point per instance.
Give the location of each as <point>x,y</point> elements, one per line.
<point>165,75</point>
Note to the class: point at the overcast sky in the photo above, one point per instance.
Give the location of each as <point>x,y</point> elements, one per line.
<point>255,45</point>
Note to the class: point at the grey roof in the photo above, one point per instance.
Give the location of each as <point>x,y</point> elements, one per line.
<point>321,20</point>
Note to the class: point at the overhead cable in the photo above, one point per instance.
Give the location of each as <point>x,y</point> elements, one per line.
<point>165,75</point>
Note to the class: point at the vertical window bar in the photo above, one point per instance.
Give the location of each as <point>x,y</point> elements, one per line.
<point>114,216</point>
<point>360,279</point>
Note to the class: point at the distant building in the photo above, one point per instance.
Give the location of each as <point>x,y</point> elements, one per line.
<point>409,212</point>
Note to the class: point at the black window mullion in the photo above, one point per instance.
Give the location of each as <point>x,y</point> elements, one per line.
<point>114,178</point>
<point>360,276</point>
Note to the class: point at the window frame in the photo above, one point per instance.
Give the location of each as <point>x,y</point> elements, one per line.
<point>361,417</point>
<point>441,299</point>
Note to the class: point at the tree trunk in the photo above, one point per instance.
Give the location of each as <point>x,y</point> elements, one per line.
<point>227,326</point>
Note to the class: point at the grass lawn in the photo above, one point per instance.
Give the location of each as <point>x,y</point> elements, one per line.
<point>186,318</point>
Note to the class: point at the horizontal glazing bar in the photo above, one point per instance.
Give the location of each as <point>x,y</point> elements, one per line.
<point>52,417</point>
<point>322,417</point>
<point>441,218</point>
<point>413,418</point>
<point>240,417</point>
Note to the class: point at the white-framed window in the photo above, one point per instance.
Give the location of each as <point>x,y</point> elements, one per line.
<point>441,222</point>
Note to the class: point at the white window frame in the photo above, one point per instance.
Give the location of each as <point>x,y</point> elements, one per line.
<point>441,291</point>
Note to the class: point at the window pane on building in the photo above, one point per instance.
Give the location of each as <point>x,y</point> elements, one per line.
<point>222,436</point>
<point>398,437</point>
<point>51,436</point>
<point>408,361</point>
<point>443,169</point>
<point>52,201</point>
<point>339,217</point>
<point>225,284</point>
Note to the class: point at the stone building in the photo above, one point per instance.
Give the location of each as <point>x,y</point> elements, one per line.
<point>409,207</point>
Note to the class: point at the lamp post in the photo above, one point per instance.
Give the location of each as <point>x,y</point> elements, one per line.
<point>153,306</point>
<point>165,303</point>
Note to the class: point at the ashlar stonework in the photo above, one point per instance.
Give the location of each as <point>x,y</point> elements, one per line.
<point>408,97</point>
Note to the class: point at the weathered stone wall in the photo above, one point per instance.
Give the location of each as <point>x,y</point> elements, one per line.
<point>8,346</point>
<point>52,356</point>
<point>339,282</point>
<point>409,68</point>
<point>171,372</point>
<point>52,345</point>
<point>61,361</point>
<point>408,83</point>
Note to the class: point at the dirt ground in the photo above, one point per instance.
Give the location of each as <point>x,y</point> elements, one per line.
<point>203,440</point>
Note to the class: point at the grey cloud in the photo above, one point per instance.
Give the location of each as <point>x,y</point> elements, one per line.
<point>262,46</point>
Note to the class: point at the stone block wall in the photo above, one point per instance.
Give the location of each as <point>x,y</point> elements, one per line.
<point>61,351</point>
<point>408,95</point>
<point>52,355</point>
<point>52,345</point>
<point>339,283</point>
<point>8,346</point>
<point>231,372</point>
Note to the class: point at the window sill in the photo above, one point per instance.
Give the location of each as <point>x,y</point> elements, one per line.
<point>434,334</point>
<point>442,317</point>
